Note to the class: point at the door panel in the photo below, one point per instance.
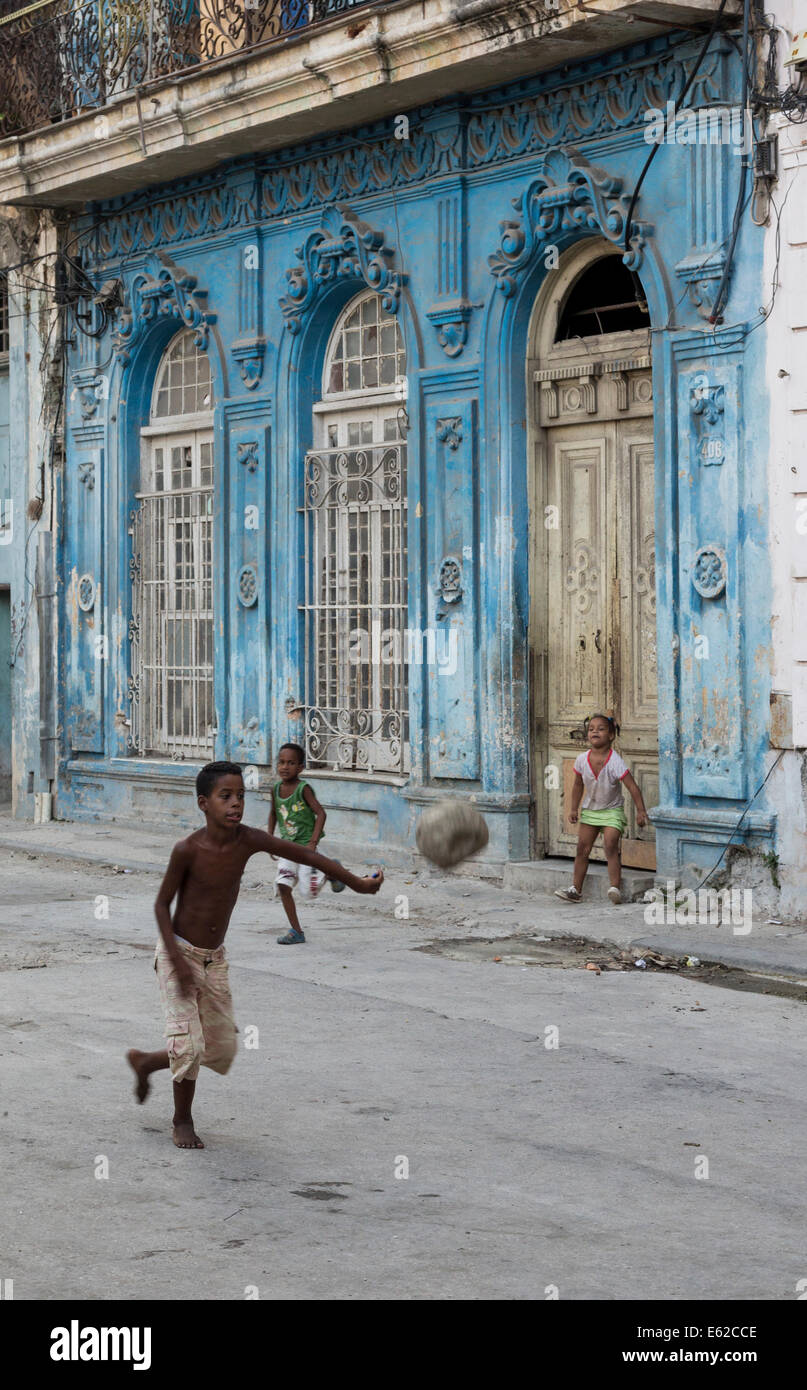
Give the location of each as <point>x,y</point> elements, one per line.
<point>579,461</point>
<point>601,627</point>
<point>635,695</point>
<point>635,521</point>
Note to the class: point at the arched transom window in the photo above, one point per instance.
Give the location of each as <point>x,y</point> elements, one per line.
<point>357,700</point>
<point>366,351</point>
<point>172,589</point>
<point>183,384</point>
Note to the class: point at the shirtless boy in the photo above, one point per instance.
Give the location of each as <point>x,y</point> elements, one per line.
<point>204,874</point>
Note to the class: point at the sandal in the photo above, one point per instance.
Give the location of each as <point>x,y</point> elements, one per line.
<point>291,938</point>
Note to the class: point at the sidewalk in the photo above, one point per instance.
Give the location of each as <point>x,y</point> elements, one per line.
<point>460,906</point>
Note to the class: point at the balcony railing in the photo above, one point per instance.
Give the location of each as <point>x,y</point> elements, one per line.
<point>59,58</point>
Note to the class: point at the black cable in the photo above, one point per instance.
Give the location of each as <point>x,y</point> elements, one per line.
<point>771,769</point>
<point>720,297</point>
<point>676,109</point>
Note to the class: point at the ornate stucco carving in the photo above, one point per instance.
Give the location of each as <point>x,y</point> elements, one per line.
<point>342,247</point>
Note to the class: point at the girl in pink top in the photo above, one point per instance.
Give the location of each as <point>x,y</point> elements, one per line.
<point>599,776</point>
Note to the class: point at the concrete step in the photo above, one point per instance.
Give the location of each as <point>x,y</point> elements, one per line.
<point>548,874</point>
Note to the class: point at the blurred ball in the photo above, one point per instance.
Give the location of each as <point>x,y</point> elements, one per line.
<point>450,832</point>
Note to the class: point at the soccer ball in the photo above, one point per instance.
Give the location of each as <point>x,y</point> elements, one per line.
<point>450,832</point>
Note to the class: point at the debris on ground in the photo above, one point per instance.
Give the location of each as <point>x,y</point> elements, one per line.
<point>581,953</point>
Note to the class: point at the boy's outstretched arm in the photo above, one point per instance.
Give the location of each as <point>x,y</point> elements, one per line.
<point>286,849</point>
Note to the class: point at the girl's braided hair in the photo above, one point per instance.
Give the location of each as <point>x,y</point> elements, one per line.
<point>612,724</point>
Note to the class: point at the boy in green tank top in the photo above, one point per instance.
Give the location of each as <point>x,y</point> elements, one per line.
<point>298,817</point>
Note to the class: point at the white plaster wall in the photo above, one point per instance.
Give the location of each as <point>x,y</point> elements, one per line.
<point>787,389</point>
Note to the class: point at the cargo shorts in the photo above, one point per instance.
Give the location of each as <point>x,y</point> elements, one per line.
<point>199,1028</point>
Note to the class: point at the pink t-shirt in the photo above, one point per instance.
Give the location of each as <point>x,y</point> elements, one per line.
<point>603,792</point>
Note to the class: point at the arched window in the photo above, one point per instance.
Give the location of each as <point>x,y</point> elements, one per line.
<point>183,383</point>
<point>605,299</point>
<point>357,700</point>
<point>172,599</point>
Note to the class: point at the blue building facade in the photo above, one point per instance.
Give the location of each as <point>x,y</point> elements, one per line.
<point>352,334</point>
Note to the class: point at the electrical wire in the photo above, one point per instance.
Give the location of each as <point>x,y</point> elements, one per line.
<point>693,74</point>
<point>764,310</point>
<point>748,806</point>
<point>722,289</point>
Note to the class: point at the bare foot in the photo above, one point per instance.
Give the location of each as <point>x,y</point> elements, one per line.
<point>142,1087</point>
<point>185,1137</point>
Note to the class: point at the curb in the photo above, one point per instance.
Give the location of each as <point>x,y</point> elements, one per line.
<point>741,960</point>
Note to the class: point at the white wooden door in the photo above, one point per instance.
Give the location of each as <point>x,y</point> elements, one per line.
<point>600,626</point>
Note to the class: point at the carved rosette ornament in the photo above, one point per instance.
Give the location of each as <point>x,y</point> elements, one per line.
<point>343,248</point>
<point>171,291</point>
<point>247,586</point>
<point>85,593</point>
<point>582,578</point>
<point>569,195</point>
<point>709,571</point>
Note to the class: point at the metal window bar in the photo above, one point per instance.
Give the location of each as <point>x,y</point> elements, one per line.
<point>356,608</point>
<point>171,687</point>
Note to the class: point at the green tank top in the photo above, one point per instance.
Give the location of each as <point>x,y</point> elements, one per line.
<point>295,819</point>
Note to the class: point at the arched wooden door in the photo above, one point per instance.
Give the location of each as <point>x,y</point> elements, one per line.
<point>593,562</point>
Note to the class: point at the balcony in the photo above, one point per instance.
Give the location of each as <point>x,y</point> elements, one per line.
<point>59,58</point>
<point>100,97</point>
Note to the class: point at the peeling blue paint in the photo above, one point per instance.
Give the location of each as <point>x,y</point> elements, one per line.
<point>465,301</point>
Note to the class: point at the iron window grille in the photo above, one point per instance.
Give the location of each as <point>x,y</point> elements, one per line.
<point>171,629</point>
<point>355,521</point>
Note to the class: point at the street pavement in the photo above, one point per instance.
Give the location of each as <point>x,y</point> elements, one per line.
<point>399,1124</point>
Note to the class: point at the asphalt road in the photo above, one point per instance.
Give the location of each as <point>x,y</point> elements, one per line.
<point>401,1130</point>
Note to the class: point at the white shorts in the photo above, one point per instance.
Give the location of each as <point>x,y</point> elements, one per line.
<point>290,874</point>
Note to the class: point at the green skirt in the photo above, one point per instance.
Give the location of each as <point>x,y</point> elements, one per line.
<point>614,816</point>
